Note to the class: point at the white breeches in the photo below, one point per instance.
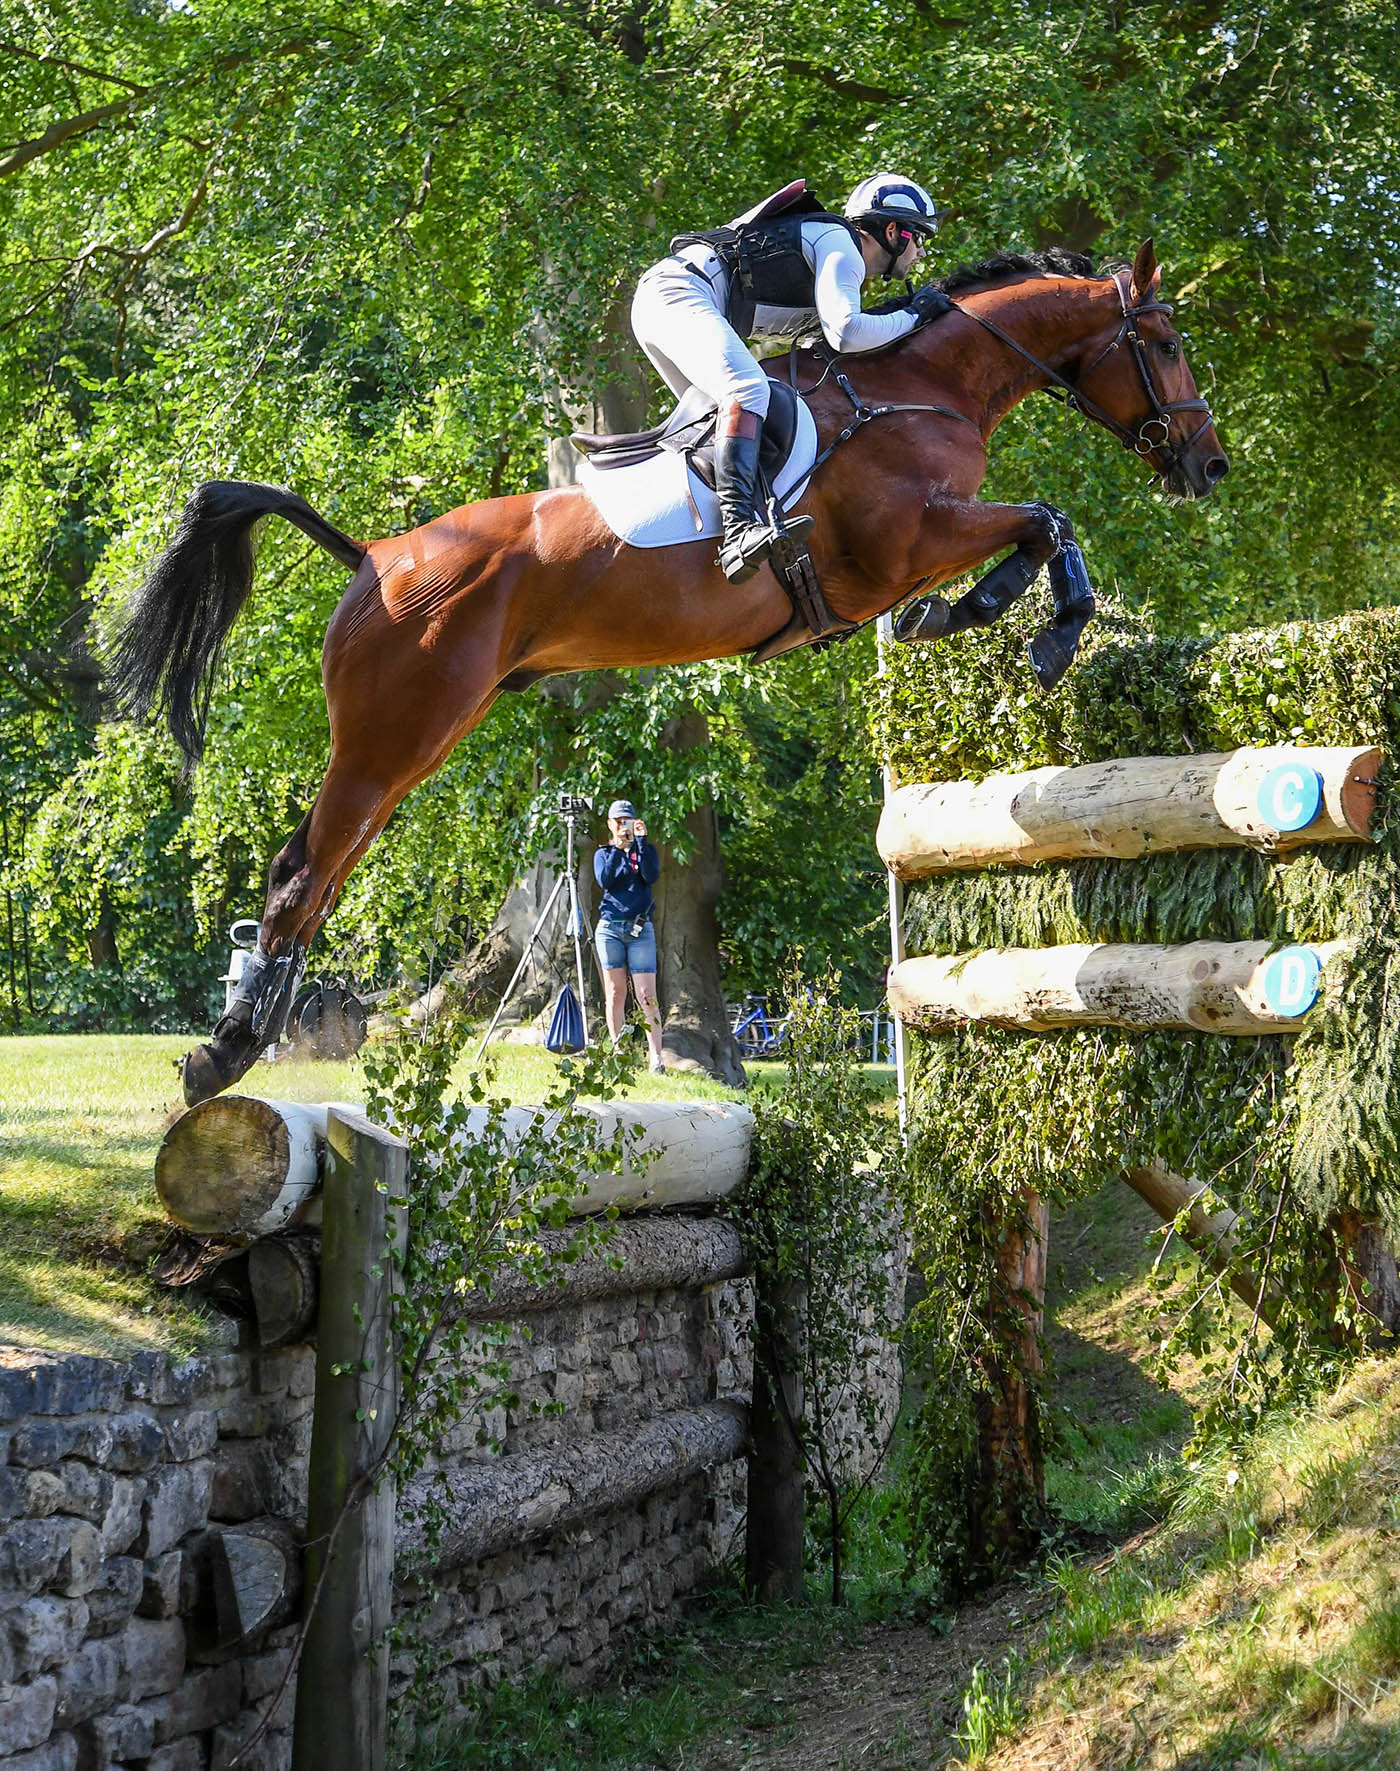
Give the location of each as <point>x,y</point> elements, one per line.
<point>677,319</point>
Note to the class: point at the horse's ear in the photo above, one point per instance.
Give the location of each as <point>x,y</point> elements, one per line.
<point>1147,273</point>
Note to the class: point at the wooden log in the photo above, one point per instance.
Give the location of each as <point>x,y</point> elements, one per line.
<point>247,1581</point>
<point>343,1680</point>
<point>655,1254</point>
<point>1006,1509</point>
<point>503,1502</point>
<point>283,1274</point>
<point>240,1168</point>
<point>1236,987</point>
<point>1209,1234</point>
<point>1136,805</point>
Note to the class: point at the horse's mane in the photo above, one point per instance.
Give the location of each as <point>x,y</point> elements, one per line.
<point>1002,267</point>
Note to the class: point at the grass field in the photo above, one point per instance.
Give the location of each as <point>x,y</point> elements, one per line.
<point>80,1120</point>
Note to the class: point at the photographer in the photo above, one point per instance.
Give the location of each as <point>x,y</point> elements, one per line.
<point>626,868</point>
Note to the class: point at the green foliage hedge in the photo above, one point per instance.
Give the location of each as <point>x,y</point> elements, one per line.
<point>1290,1129</point>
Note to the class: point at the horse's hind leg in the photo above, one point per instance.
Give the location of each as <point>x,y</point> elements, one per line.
<point>353,805</point>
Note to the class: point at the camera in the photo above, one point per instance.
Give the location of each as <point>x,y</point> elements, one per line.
<point>574,805</point>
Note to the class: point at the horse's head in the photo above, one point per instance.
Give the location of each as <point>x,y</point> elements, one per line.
<point>1133,377</point>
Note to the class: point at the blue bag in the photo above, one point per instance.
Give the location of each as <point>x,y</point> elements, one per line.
<point>565,1024</point>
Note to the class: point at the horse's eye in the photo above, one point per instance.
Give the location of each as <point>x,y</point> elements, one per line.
<point>1170,349</point>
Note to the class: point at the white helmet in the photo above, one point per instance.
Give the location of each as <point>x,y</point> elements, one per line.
<point>889,196</point>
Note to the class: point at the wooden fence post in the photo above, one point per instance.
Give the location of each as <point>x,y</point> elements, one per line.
<point>343,1679</point>
<point>773,1533</point>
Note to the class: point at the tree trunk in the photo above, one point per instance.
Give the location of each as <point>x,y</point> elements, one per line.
<point>696,1034</point>
<point>1008,1504</point>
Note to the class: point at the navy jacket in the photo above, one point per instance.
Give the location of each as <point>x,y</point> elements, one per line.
<point>626,876</point>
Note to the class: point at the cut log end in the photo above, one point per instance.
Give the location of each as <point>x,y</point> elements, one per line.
<point>223,1164</point>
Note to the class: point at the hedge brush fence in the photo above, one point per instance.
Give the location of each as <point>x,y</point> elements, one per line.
<point>1170,816</point>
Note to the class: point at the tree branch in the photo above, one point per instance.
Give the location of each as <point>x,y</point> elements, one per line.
<point>69,128</point>
<point>73,67</point>
<point>834,82</point>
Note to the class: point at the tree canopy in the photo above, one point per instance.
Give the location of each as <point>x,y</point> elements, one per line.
<point>363,251</point>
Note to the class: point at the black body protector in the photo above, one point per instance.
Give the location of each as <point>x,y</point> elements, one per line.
<point>766,269</point>
<point>765,262</point>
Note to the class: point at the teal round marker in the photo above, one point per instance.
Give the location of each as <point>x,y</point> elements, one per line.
<point>1290,981</point>
<point>1290,796</point>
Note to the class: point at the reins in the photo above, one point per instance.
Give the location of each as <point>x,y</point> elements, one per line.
<point>1139,441</point>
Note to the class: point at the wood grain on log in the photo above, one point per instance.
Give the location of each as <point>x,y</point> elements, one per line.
<point>283,1274</point>
<point>507,1501</point>
<point>656,1254</point>
<point>241,1167</point>
<point>1136,805</point>
<point>247,1580</point>
<point>1200,986</point>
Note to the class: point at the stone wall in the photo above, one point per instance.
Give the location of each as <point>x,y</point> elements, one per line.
<point>586,1502</point>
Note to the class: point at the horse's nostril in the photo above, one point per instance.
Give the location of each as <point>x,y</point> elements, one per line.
<point>1217,468</point>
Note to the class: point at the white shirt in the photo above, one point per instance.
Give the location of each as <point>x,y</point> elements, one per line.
<point>838,270</point>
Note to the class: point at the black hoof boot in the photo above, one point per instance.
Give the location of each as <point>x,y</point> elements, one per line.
<point>1053,648</point>
<point>926,619</point>
<point>993,593</point>
<point>1050,658</point>
<point>254,1019</point>
<point>209,1069</point>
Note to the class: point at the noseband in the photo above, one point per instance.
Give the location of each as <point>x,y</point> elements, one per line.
<point>1142,441</point>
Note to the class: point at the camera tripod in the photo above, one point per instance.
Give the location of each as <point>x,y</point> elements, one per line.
<point>570,809</point>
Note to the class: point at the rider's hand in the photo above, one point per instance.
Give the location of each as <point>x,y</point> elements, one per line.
<point>928,303</point>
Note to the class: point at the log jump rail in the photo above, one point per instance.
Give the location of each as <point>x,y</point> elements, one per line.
<point>303,1196</point>
<point>1274,798</point>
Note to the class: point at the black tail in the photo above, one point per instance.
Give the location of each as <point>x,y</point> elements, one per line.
<point>176,624</point>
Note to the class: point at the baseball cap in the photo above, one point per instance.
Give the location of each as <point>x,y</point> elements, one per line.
<point>622,808</point>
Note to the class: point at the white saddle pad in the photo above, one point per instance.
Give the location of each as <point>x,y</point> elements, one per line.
<point>647,505</point>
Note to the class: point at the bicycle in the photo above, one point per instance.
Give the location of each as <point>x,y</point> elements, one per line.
<point>756,1035</point>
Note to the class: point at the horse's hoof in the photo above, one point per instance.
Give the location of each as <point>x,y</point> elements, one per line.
<point>1049,659</point>
<point>208,1070</point>
<point>925,620</point>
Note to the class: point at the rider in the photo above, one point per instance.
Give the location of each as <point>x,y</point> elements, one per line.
<point>783,270</point>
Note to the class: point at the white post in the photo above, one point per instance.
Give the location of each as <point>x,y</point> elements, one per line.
<point>884,635</point>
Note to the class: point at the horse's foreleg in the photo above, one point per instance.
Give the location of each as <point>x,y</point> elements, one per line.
<point>959,534</point>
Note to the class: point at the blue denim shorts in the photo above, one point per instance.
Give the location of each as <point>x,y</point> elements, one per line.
<point>617,948</point>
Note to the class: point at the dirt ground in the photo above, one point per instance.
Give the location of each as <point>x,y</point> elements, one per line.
<point>893,1702</point>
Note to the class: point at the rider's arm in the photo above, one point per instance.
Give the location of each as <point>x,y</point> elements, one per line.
<point>839,271</point>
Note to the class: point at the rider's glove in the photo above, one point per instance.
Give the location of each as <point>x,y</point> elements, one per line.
<point>928,303</point>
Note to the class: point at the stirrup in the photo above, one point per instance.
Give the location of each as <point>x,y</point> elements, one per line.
<point>742,553</point>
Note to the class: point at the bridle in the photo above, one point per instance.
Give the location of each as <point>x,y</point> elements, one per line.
<point>1141,441</point>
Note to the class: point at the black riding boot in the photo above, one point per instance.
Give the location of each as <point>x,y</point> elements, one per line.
<point>748,534</point>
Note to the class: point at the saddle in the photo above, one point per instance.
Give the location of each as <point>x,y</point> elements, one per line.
<point>690,431</point>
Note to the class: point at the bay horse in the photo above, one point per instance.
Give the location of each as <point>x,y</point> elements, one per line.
<point>492,596</point>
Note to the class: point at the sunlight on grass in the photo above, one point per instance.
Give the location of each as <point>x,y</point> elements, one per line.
<point>1259,1627</point>
<point>81,1117</point>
